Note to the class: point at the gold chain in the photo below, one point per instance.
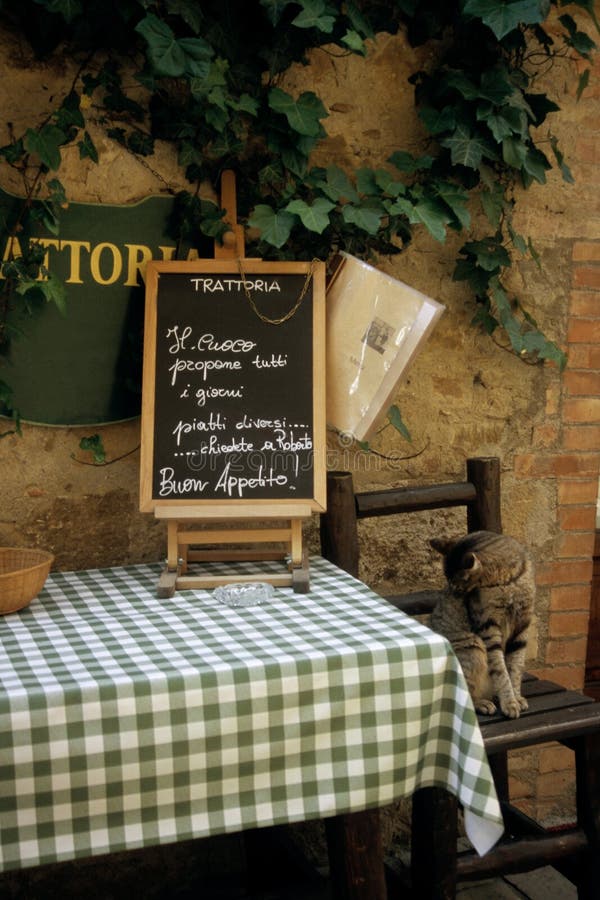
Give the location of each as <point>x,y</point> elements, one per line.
<point>294,308</point>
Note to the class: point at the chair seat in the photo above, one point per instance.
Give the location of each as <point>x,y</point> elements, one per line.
<point>554,714</point>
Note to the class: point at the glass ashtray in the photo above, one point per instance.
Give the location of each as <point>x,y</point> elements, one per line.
<point>247,593</point>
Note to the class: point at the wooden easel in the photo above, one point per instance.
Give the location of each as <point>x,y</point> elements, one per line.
<point>188,529</point>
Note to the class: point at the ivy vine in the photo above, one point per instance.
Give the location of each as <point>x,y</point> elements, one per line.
<point>213,79</point>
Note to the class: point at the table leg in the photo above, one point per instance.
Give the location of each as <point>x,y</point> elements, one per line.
<point>433,840</point>
<point>356,856</point>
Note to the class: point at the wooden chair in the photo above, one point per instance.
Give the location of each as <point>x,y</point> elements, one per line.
<point>554,714</point>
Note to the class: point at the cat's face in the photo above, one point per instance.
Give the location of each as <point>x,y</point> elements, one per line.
<point>462,566</point>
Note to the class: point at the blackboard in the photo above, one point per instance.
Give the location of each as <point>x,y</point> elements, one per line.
<point>233,399</point>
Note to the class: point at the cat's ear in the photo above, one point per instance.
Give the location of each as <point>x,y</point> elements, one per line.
<point>442,545</point>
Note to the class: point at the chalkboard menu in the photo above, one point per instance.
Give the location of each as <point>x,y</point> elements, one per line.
<point>233,405</point>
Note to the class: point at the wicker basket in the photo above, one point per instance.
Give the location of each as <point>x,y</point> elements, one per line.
<point>22,576</point>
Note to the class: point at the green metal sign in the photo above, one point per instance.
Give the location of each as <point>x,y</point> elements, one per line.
<point>84,367</point>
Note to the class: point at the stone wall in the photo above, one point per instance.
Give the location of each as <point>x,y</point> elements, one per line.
<point>466,395</point>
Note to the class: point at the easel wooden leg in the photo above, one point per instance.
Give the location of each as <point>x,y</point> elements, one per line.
<point>167,581</point>
<point>183,543</point>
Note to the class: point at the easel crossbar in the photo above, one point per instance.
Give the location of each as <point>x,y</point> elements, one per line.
<point>234,535</point>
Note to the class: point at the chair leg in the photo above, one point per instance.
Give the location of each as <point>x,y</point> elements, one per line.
<point>587,762</point>
<point>433,849</point>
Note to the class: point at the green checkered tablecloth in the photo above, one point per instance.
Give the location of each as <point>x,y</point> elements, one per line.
<point>126,720</point>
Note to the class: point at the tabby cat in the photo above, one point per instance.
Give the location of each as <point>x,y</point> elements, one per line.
<point>485,613</point>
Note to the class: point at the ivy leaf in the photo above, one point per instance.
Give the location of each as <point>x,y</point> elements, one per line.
<point>13,152</point>
<point>495,85</point>
<point>536,164</point>
<point>172,57</point>
<point>275,227</point>
<point>402,206</point>
<point>69,114</point>
<point>578,40</point>
<point>499,126</point>
<point>503,16</point>
<point>477,278</point>
<point>164,53</point>
<point>217,117</point>
<point>245,103</point>
<point>465,148</point>
<point>68,9</point>
<point>211,220</point>
<point>534,254</point>
<point>51,290</point>
<point>354,42</point>
<point>565,170</point>
<point>295,161</point>
<point>58,194</point>
<point>197,54</point>
<point>271,175</point>
<point>514,152</point>
<point>315,216</point>
<point>93,444</point>
<point>489,254</point>
<point>49,217</point>
<point>46,143</point>
<point>456,199</point>
<point>507,122</point>
<point>433,216</point>
<point>365,182</point>
<point>87,148</point>
<point>406,162</point>
<point>337,185</point>
<point>484,318</point>
<point>395,418</point>
<point>453,78</point>
<point>536,342</point>
<point>358,20</point>
<point>437,121</point>
<point>302,114</point>
<point>188,11</point>
<point>507,319</point>
<point>519,242</point>
<point>313,15</point>
<point>275,9</point>
<point>524,342</point>
<point>365,217</point>
<point>388,184</point>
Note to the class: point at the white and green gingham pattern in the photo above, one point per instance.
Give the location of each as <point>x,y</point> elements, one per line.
<point>126,720</point>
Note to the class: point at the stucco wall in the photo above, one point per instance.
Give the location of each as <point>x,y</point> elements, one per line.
<point>464,396</point>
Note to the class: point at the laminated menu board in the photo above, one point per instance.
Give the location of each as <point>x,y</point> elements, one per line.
<point>376,325</point>
<point>233,399</point>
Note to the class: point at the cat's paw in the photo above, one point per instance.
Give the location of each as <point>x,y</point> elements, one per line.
<point>511,708</point>
<point>523,704</point>
<point>485,707</point>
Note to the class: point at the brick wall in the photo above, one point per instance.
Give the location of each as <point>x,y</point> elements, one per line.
<point>566,452</point>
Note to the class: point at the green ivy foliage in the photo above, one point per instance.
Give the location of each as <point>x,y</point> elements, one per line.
<point>213,75</point>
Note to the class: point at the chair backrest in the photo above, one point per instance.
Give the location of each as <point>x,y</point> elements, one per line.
<point>480,494</point>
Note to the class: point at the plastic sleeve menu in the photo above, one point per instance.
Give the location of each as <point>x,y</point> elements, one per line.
<point>233,404</point>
